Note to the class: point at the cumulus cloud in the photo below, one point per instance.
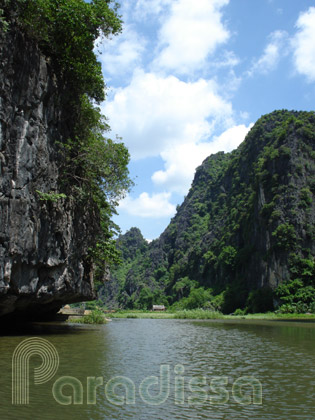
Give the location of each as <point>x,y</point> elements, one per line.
<point>272,54</point>
<point>149,206</point>
<point>191,32</point>
<point>120,54</point>
<point>230,139</point>
<point>155,113</point>
<point>181,160</point>
<point>304,44</point>
<point>142,8</point>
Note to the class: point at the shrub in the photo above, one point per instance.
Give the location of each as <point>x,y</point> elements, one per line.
<point>95,317</point>
<point>285,236</point>
<point>239,312</point>
<point>145,300</point>
<point>218,301</point>
<point>287,308</point>
<point>198,298</point>
<point>66,30</point>
<point>51,196</point>
<point>227,256</point>
<point>312,307</point>
<point>305,197</point>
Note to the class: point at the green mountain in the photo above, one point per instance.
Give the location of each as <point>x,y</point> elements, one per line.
<point>244,235</point>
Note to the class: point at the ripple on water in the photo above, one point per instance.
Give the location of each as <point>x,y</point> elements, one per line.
<point>280,356</point>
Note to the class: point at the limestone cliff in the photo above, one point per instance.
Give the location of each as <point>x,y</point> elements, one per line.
<point>246,226</point>
<point>43,243</point>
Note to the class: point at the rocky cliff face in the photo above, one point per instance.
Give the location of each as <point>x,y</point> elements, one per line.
<point>43,243</point>
<point>247,223</point>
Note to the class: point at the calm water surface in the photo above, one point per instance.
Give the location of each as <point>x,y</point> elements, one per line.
<point>279,355</point>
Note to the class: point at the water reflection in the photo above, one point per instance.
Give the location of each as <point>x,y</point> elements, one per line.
<point>278,355</point>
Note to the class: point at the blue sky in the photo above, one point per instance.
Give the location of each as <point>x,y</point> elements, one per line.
<point>188,78</point>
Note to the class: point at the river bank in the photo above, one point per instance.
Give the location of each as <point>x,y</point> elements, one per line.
<point>204,314</point>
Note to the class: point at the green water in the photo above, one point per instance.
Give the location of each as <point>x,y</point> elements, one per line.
<point>278,355</point>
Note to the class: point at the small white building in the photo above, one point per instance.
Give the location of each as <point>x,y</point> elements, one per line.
<point>158,308</point>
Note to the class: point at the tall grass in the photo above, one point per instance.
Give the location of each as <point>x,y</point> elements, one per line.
<point>95,317</point>
<point>197,314</point>
<point>184,314</point>
<point>138,314</point>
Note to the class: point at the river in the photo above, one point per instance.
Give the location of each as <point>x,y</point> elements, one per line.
<point>151,369</point>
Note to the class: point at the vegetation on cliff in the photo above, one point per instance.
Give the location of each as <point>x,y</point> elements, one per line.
<point>243,237</point>
<point>92,168</point>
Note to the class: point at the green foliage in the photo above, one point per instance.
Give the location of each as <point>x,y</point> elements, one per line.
<point>285,151</point>
<point>198,298</point>
<point>3,22</point>
<point>303,268</point>
<point>51,196</point>
<point>286,291</point>
<point>95,164</point>
<point>306,197</point>
<point>240,312</point>
<point>227,256</point>
<point>296,308</point>
<point>197,314</point>
<point>268,209</point>
<point>95,317</point>
<point>132,244</point>
<point>183,287</point>
<point>66,31</point>
<point>103,255</point>
<point>298,294</point>
<point>145,300</point>
<point>242,213</point>
<point>285,236</point>
<point>92,305</point>
<point>93,168</point>
<point>276,215</point>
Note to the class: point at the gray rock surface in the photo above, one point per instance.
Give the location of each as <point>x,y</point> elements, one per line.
<point>43,244</point>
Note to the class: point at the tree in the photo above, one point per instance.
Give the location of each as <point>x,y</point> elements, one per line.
<point>93,168</point>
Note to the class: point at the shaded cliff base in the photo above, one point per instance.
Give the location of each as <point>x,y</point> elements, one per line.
<point>16,309</point>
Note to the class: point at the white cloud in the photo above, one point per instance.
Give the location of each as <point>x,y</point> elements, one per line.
<point>155,206</point>
<point>304,44</point>
<point>143,8</point>
<point>272,54</point>
<point>121,53</point>
<point>181,160</point>
<point>192,31</point>
<point>153,114</point>
<point>230,139</point>
<point>229,59</point>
